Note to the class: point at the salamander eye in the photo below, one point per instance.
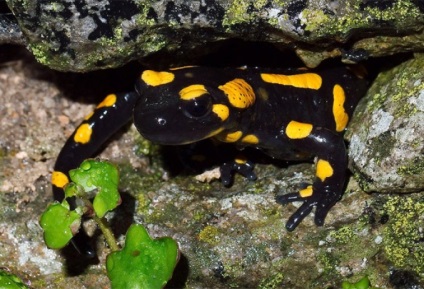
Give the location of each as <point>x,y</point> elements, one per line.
<point>197,107</point>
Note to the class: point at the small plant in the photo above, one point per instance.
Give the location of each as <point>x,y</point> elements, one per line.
<point>142,263</point>
<point>10,281</point>
<point>364,283</point>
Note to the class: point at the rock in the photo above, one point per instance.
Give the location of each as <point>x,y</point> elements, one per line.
<point>87,35</point>
<point>387,131</point>
<point>10,32</point>
<point>229,237</point>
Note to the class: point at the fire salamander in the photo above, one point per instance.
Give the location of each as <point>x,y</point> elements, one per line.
<point>296,114</point>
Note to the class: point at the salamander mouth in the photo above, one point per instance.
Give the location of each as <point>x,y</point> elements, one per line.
<point>172,130</point>
<point>164,121</point>
<point>161,130</point>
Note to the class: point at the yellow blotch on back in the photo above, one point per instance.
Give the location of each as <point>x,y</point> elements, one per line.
<point>59,179</point>
<point>83,133</point>
<point>340,116</point>
<point>298,130</point>
<point>108,101</point>
<point>192,91</point>
<point>240,94</point>
<point>221,111</point>
<point>324,170</point>
<point>230,136</point>
<point>155,78</point>
<point>250,139</point>
<point>304,80</point>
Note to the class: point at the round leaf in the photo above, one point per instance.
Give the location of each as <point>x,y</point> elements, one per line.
<point>59,224</point>
<point>101,175</point>
<point>143,263</point>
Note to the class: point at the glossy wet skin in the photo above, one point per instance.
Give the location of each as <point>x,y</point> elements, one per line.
<point>161,113</point>
<point>289,115</point>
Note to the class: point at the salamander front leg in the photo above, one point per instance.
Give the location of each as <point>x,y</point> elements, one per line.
<point>330,174</point>
<point>238,165</point>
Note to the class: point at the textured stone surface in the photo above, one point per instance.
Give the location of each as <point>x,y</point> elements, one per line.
<point>229,238</point>
<point>86,35</point>
<point>387,134</point>
<point>10,32</point>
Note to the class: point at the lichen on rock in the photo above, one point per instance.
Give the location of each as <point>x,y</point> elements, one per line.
<point>88,35</point>
<point>387,131</point>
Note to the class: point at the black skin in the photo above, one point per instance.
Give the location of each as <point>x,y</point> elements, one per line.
<point>162,117</point>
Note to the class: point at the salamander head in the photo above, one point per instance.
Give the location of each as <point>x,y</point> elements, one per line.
<point>175,108</point>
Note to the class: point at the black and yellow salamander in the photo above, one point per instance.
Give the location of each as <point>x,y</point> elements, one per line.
<point>295,114</point>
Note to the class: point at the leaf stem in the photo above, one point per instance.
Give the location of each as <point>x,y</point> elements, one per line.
<point>107,232</point>
<point>104,227</point>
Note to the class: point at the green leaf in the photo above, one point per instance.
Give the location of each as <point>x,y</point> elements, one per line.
<point>10,281</point>
<point>364,283</point>
<point>143,263</point>
<point>73,190</point>
<point>101,175</point>
<point>59,224</point>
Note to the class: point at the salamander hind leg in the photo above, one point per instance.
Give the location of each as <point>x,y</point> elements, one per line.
<point>327,189</point>
<point>321,198</point>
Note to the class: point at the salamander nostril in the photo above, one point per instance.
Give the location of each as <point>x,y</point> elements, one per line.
<point>161,121</point>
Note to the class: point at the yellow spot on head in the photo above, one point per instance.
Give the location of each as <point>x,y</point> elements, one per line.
<point>155,78</point>
<point>59,179</point>
<point>230,137</point>
<point>298,130</point>
<point>240,94</point>
<point>108,101</point>
<point>192,91</point>
<point>250,139</point>
<point>324,170</point>
<point>304,80</point>
<point>306,192</point>
<point>340,116</point>
<point>221,111</point>
<point>83,133</point>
